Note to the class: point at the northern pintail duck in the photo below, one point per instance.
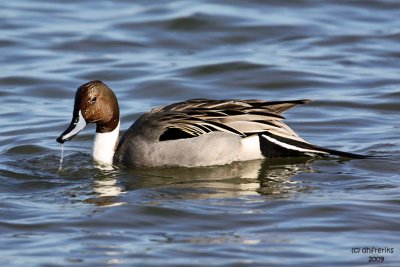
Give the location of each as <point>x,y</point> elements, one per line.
<point>197,132</point>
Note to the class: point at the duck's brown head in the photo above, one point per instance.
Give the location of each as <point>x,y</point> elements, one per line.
<point>96,103</point>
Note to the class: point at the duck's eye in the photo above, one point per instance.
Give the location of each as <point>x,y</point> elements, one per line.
<point>93,100</point>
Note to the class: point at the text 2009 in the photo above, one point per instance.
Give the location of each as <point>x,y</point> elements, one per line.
<point>376,259</point>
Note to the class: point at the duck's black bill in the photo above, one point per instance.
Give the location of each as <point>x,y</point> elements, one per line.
<point>78,123</point>
<point>66,135</point>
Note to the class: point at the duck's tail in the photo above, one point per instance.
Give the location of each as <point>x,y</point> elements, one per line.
<point>277,146</point>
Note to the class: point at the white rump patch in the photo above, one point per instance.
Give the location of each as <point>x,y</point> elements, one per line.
<point>251,148</point>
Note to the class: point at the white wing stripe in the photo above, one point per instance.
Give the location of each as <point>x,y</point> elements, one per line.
<point>291,147</point>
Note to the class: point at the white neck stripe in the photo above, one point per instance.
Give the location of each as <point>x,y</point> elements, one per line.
<point>104,146</point>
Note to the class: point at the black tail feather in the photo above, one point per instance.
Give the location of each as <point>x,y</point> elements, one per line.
<point>277,146</point>
<point>342,153</point>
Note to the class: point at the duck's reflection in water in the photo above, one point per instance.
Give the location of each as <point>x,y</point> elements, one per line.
<point>271,177</point>
<point>277,176</point>
<point>106,188</point>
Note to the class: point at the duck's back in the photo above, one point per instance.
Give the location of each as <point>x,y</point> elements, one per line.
<point>201,132</point>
